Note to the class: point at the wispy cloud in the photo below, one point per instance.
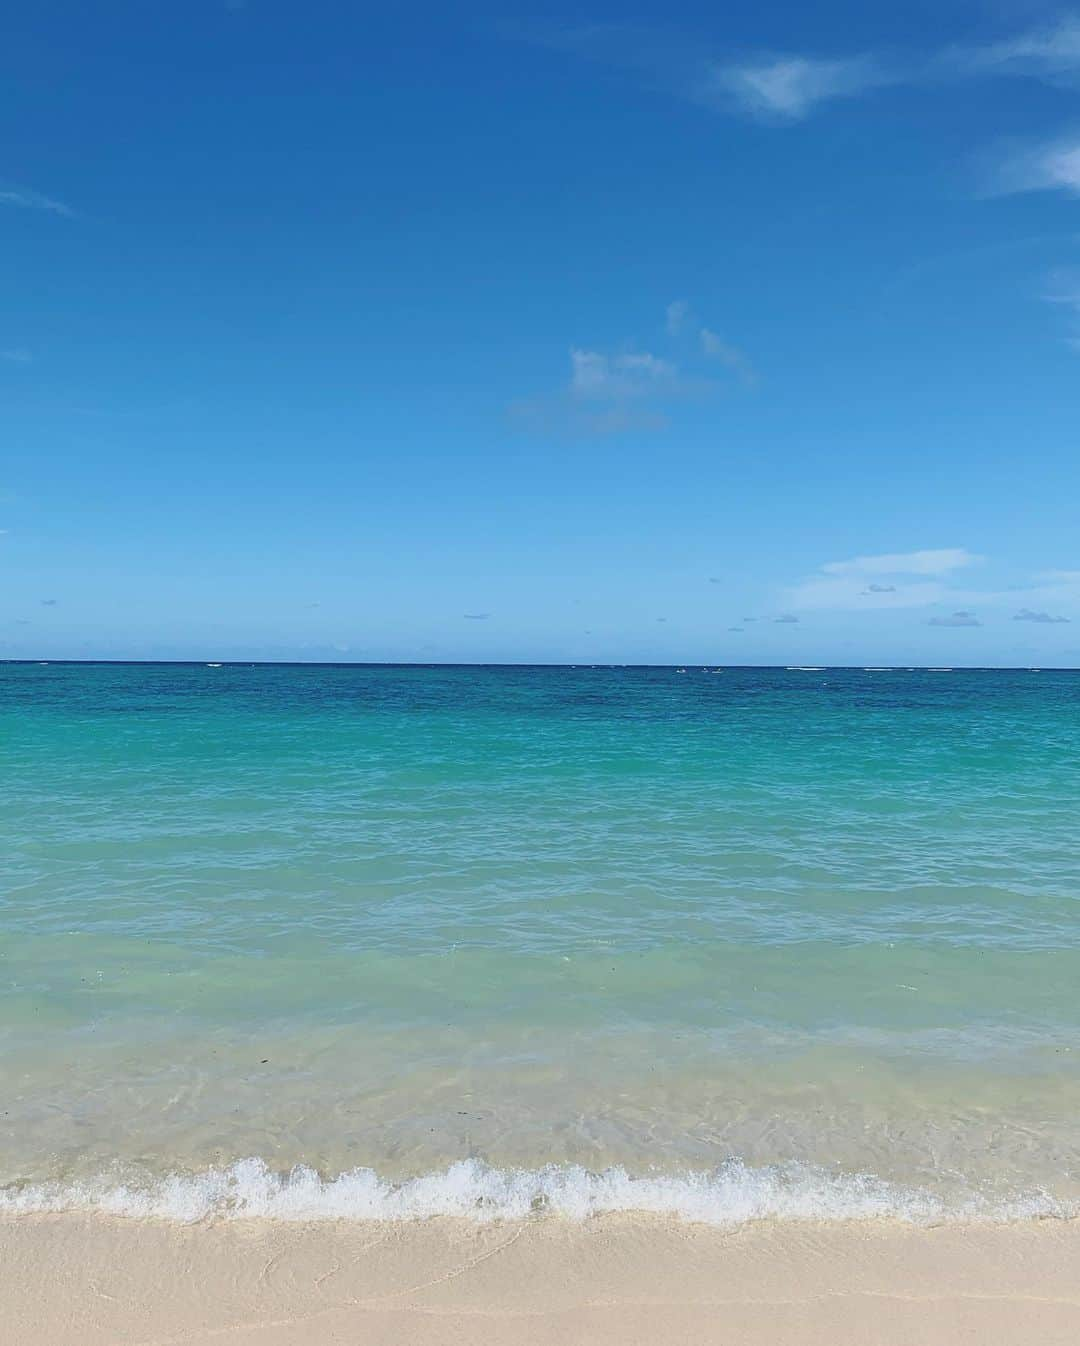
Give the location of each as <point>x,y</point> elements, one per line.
<point>731,357</point>
<point>790,87</point>
<point>25,199</point>
<point>607,393</point>
<point>627,390</point>
<point>934,578</point>
<point>915,579</point>
<point>1050,52</point>
<point>16,355</point>
<point>782,87</point>
<point>612,394</point>
<point>599,377</point>
<point>682,321</point>
<point>786,619</point>
<point>786,87</point>
<point>932,562</point>
<point>476,616</point>
<point>1042,166</point>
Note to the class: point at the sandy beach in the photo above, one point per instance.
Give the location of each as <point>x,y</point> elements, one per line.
<point>98,1281</point>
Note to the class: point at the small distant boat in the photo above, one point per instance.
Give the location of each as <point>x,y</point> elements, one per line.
<point>213,665</point>
<point>939,670</point>
<point>805,668</point>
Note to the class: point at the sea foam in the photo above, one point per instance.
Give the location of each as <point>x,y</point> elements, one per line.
<point>731,1194</point>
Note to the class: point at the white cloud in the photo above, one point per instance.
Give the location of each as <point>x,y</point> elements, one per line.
<point>781,86</point>
<point>682,321</point>
<point>916,580</point>
<point>1048,53</point>
<point>1048,166</point>
<point>786,87</point>
<point>606,394</point>
<point>938,562</point>
<point>922,579</point>
<point>26,199</point>
<point>789,87</point>
<point>611,392</point>
<point>602,377</point>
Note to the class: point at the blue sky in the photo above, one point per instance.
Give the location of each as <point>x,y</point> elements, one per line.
<point>729,334</point>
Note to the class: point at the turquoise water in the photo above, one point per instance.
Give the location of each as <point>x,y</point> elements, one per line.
<point>799,938</point>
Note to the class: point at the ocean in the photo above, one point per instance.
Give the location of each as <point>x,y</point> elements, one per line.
<point>371,941</point>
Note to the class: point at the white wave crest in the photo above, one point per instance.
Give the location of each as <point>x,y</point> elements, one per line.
<point>731,1194</point>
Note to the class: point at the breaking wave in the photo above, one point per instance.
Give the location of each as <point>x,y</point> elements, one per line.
<point>731,1194</point>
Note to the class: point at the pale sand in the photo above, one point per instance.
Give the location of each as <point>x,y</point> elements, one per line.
<point>88,1281</point>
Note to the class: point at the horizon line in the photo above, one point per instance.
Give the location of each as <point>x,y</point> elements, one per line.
<point>398,663</point>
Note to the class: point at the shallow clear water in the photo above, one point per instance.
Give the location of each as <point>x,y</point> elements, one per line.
<point>825,923</point>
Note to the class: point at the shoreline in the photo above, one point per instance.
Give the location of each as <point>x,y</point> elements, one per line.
<point>726,1196</point>
<point>98,1280</point>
